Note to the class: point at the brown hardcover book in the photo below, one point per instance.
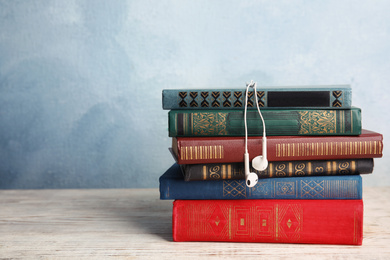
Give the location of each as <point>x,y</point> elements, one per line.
<point>232,171</point>
<point>199,150</point>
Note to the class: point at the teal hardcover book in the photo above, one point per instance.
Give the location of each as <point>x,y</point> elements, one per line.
<point>173,186</point>
<point>335,97</point>
<point>279,122</point>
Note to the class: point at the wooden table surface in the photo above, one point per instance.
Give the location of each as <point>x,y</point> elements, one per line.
<point>134,223</point>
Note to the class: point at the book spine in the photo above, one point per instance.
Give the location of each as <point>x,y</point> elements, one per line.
<point>316,188</point>
<point>279,148</point>
<point>269,221</point>
<point>336,97</point>
<point>278,122</point>
<point>231,171</point>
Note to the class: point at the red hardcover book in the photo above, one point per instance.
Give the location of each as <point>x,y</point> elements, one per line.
<point>269,221</point>
<point>197,150</point>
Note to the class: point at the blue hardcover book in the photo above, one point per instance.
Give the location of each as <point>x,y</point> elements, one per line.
<point>173,186</point>
<point>335,97</point>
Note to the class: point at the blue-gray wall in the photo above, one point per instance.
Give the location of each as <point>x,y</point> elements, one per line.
<point>81,80</point>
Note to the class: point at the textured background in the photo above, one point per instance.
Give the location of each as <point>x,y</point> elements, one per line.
<point>81,80</point>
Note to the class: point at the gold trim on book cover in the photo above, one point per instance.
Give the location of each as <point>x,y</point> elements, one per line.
<point>187,125</point>
<point>341,121</point>
<point>202,152</point>
<point>293,149</point>
<point>352,130</point>
<point>230,223</point>
<point>331,148</point>
<point>355,227</point>
<point>277,222</point>
<point>326,149</point>
<point>176,121</point>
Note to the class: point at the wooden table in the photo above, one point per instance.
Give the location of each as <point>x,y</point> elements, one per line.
<point>134,223</point>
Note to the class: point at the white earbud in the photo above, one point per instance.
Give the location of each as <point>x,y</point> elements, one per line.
<point>251,178</point>
<point>260,162</point>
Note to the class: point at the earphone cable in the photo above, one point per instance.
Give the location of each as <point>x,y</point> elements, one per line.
<point>251,84</point>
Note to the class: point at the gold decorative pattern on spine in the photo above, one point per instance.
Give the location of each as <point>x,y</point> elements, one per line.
<point>230,223</point>
<point>342,120</point>
<point>352,130</point>
<point>353,166</point>
<point>355,227</point>
<point>206,123</point>
<point>277,222</point>
<point>327,149</point>
<point>293,150</point>
<point>318,122</point>
<point>202,152</point>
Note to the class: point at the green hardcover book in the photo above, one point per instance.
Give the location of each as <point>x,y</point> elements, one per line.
<point>278,122</point>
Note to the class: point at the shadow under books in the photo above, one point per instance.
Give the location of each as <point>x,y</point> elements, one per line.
<point>149,216</point>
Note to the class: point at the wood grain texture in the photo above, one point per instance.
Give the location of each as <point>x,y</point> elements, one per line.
<point>135,224</point>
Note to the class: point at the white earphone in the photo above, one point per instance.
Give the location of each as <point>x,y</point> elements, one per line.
<point>260,162</point>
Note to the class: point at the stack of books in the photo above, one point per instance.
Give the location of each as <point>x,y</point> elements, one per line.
<point>311,191</point>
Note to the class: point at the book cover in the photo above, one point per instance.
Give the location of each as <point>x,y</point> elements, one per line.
<point>173,186</point>
<point>233,171</point>
<point>200,150</point>
<point>198,123</point>
<point>269,221</point>
<point>337,97</point>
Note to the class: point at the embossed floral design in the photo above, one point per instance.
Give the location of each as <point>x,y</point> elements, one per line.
<point>318,122</point>
<point>209,123</point>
